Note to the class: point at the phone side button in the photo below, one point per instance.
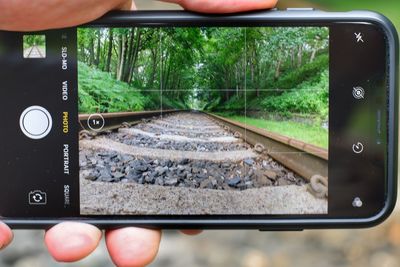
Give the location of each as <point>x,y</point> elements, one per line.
<point>280,230</point>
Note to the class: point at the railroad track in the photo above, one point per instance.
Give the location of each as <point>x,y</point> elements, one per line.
<point>197,150</point>
<point>35,52</point>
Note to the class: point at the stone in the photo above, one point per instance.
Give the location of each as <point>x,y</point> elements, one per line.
<point>205,183</point>
<point>159,181</point>
<point>170,181</point>
<point>184,161</point>
<point>105,175</point>
<point>270,174</point>
<point>83,164</point>
<point>234,181</point>
<point>89,175</point>
<point>201,176</point>
<point>149,179</point>
<point>160,170</point>
<point>142,168</point>
<point>249,183</point>
<point>118,175</point>
<point>196,170</point>
<point>263,180</point>
<point>249,162</point>
<point>126,158</point>
<point>226,165</point>
<point>282,181</point>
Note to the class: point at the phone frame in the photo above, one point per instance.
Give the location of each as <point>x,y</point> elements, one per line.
<point>183,18</point>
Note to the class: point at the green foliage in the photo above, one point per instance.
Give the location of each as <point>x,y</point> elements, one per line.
<point>212,103</point>
<point>126,69</point>
<point>31,40</point>
<point>170,103</point>
<point>100,92</point>
<point>237,102</point>
<point>308,72</point>
<point>309,97</point>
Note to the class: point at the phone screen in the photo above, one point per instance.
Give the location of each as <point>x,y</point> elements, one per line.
<point>199,121</point>
<point>186,159</point>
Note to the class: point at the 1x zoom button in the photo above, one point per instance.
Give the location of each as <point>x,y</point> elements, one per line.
<point>96,122</point>
<point>35,122</point>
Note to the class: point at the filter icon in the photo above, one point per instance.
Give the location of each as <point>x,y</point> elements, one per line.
<point>358,92</point>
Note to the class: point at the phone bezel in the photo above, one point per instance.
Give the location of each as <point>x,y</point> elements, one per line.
<point>182,18</point>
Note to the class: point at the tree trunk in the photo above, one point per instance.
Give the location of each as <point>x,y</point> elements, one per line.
<point>278,68</point>
<point>154,53</point>
<point>237,80</point>
<point>135,54</point>
<point>91,51</point>
<point>314,52</point>
<point>109,52</point>
<point>98,48</point>
<point>122,58</point>
<point>292,57</point>
<point>129,54</point>
<point>119,53</point>
<point>166,76</point>
<point>300,56</point>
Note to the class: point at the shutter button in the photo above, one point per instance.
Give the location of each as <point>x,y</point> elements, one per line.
<point>35,122</point>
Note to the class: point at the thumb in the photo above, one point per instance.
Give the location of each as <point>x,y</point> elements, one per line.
<point>223,6</point>
<point>5,235</point>
<point>127,5</point>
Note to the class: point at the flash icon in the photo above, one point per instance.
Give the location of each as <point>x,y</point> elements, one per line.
<point>359,37</point>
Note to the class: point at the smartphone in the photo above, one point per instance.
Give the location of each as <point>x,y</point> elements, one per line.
<point>270,120</point>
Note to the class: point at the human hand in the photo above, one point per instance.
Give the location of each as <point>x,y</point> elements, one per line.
<point>22,15</point>
<point>72,241</point>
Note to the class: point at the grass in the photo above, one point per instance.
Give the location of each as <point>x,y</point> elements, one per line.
<point>307,133</point>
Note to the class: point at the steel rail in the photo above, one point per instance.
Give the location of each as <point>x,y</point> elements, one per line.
<point>117,119</point>
<point>39,52</point>
<point>30,51</point>
<point>304,159</point>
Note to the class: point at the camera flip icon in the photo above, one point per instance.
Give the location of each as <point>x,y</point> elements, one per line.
<point>37,197</point>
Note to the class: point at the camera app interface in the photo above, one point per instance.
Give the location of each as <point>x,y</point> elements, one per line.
<point>202,121</point>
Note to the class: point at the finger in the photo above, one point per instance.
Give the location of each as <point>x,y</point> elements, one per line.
<point>127,5</point>
<point>191,232</point>
<point>71,241</point>
<point>132,246</point>
<point>6,235</point>
<point>223,6</point>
